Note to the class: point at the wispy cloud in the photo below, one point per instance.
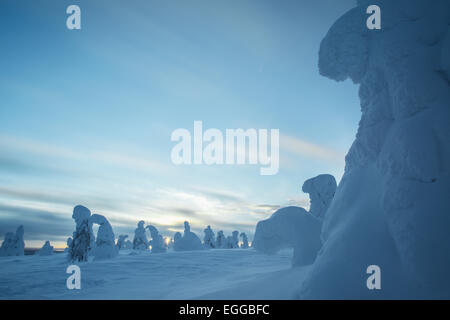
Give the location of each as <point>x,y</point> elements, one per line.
<point>308,149</point>
<point>129,161</point>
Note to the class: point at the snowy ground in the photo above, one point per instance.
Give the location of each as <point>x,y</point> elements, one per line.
<point>207,274</point>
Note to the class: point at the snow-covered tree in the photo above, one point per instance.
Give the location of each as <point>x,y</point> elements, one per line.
<point>13,244</point>
<point>121,241</point>
<point>157,243</point>
<point>321,191</point>
<point>46,250</point>
<point>189,241</point>
<point>234,240</point>
<point>290,227</point>
<point>176,239</point>
<point>229,242</point>
<point>140,241</point>
<point>69,243</point>
<point>83,235</point>
<point>127,244</point>
<point>170,242</point>
<point>209,239</point>
<point>105,247</point>
<point>221,241</point>
<point>244,240</point>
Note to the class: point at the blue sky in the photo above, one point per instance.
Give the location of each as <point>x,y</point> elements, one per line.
<point>86,115</point>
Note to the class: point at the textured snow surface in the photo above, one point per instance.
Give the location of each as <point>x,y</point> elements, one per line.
<point>215,274</point>
<point>391,207</point>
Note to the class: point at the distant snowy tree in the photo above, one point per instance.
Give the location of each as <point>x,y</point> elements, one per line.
<point>127,244</point>
<point>157,243</point>
<point>121,241</point>
<point>170,243</point>
<point>321,191</point>
<point>189,241</point>
<point>244,240</point>
<point>221,241</point>
<point>176,239</point>
<point>83,236</point>
<point>209,239</point>
<point>13,244</point>
<point>105,247</point>
<point>140,241</point>
<point>229,242</point>
<point>69,243</point>
<point>234,239</point>
<point>46,250</point>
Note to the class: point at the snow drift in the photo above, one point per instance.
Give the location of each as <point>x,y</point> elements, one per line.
<point>391,207</point>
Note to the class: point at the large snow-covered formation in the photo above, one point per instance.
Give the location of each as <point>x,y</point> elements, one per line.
<point>391,207</point>
<point>157,243</point>
<point>13,244</point>
<point>105,247</point>
<point>289,227</point>
<point>46,250</point>
<point>209,239</point>
<point>82,240</point>
<point>244,240</point>
<point>189,240</point>
<point>321,191</point>
<point>140,241</point>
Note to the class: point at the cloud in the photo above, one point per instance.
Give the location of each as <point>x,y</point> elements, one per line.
<point>123,159</point>
<point>38,224</point>
<point>304,148</point>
